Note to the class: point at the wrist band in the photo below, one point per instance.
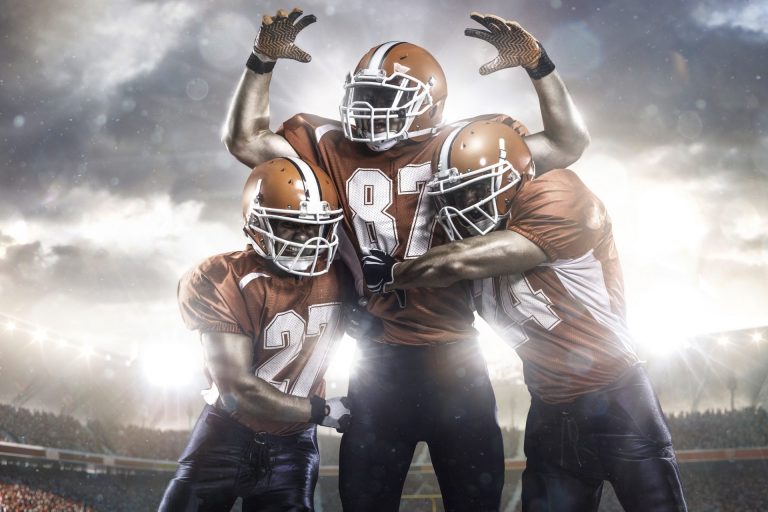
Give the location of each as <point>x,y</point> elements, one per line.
<point>318,409</point>
<point>258,66</point>
<point>543,68</point>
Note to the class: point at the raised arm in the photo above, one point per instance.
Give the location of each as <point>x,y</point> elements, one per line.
<point>565,136</point>
<point>495,254</point>
<point>228,359</point>
<point>246,132</point>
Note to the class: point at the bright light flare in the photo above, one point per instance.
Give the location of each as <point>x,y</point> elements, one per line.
<point>40,335</point>
<point>86,351</point>
<point>757,337</point>
<point>723,341</point>
<point>10,326</point>
<point>171,365</point>
<point>344,359</point>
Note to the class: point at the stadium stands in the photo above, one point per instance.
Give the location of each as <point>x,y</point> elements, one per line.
<point>29,485</point>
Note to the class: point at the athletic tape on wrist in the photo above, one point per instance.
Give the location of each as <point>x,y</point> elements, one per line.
<point>543,68</point>
<point>318,413</point>
<point>258,66</point>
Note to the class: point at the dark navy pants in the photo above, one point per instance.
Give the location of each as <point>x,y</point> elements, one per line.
<point>225,460</point>
<point>617,434</point>
<point>405,394</point>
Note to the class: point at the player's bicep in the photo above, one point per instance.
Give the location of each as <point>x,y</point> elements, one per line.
<point>227,357</point>
<point>545,153</point>
<point>260,148</point>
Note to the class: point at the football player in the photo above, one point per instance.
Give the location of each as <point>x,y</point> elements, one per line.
<point>423,378</point>
<point>547,278</point>
<point>269,317</point>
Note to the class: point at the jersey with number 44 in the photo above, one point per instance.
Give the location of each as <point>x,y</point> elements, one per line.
<point>565,317</point>
<point>385,208</point>
<point>294,322</point>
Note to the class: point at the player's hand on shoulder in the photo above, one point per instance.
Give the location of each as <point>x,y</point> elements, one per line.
<point>516,46</point>
<point>277,36</point>
<point>338,414</point>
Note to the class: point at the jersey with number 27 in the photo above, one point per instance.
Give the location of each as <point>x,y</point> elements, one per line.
<point>385,208</point>
<point>294,322</point>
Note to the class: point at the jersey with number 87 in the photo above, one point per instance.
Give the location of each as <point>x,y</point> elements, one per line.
<point>386,208</point>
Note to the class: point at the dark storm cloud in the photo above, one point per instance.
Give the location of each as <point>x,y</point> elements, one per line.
<point>82,272</point>
<point>89,111</point>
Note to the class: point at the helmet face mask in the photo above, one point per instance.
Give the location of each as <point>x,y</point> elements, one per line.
<point>297,242</point>
<point>466,202</point>
<point>378,108</point>
<point>391,96</point>
<point>295,229</point>
<point>479,166</point>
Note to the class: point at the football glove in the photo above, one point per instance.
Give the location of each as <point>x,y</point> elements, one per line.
<point>277,36</point>
<point>516,46</point>
<point>378,271</point>
<point>333,412</point>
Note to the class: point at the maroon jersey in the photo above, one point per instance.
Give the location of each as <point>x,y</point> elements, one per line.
<point>385,208</point>
<point>294,322</point>
<point>566,317</point>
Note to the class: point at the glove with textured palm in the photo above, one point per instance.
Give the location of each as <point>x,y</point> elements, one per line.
<point>277,37</point>
<point>378,271</point>
<point>516,46</point>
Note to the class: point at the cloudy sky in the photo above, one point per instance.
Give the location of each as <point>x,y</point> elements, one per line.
<point>113,180</point>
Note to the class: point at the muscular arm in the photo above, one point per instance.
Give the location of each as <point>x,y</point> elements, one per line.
<point>565,136</point>
<point>246,132</point>
<point>495,254</point>
<point>228,360</point>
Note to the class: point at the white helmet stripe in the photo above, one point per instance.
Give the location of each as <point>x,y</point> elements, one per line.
<point>311,185</point>
<point>380,53</point>
<point>445,149</point>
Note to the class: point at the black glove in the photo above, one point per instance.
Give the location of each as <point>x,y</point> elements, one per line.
<point>333,412</point>
<point>378,271</point>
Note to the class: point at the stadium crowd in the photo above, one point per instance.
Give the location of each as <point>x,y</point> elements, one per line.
<point>26,487</point>
<point>711,487</point>
<point>691,430</point>
<point>21,425</point>
<point>20,497</point>
<point>719,429</point>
